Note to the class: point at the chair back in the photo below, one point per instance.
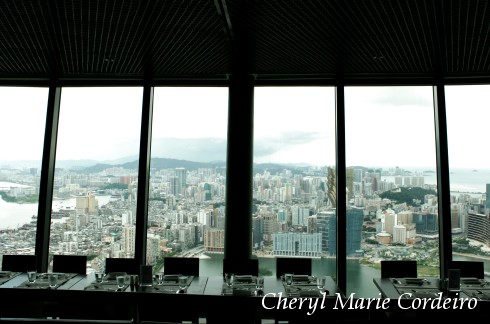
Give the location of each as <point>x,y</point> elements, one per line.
<point>130,266</point>
<point>298,266</point>
<point>241,267</point>
<point>70,263</point>
<point>19,263</point>
<point>399,269</point>
<point>468,269</point>
<point>181,265</point>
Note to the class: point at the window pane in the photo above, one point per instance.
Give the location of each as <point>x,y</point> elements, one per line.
<point>294,172</point>
<point>469,172</point>
<point>391,182</point>
<point>96,175</point>
<point>22,123</point>
<point>186,207</point>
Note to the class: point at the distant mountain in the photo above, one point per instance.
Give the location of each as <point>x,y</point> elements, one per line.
<point>158,163</point>
<point>164,163</point>
<point>278,167</point>
<point>94,166</point>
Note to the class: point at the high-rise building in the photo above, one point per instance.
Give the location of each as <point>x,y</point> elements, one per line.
<point>455,216</point>
<point>257,231</point>
<point>128,237</point>
<point>389,221</point>
<point>87,204</point>
<point>426,223</point>
<point>354,221</point>
<point>487,198</point>
<point>214,240</point>
<point>181,174</point>
<point>399,234</point>
<point>479,228</point>
<point>326,229</point>
<point>404,217</point>
<point>300,215</point>
<point>297,244</point>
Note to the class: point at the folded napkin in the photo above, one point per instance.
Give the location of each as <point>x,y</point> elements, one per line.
<point>244,278</point>
<point>423,294</point>
<point>472,281</point>
<point>413,281</point>
<point>309,293</point>
<point>480,294</point>
<point>243,292</point>
<point>114,275</point>
<point>5,274</point>
<point>301,278</point>
<point>172,276</point>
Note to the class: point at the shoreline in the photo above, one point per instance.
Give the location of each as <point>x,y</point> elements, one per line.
<point>476,256</point>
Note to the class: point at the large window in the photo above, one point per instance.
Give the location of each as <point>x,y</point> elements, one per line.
<point>469,164</point>
<point>391,182</point>
<point>22,123</point>
<point>186,207</point>
<point>96,176</point>
<point>294,212</point>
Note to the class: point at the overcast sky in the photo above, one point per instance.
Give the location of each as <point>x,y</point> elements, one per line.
<point>385,126</point>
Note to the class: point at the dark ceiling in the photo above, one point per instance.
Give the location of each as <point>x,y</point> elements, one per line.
<point>270,39</point>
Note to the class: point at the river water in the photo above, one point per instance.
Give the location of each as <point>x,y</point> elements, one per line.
<point>13,215</point>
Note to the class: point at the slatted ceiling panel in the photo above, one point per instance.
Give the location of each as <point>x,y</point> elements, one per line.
<point>100,36</point>
<point>186,38</point>
<point>286,36</point>
<point>398,31</point>
<point>23,46</point>
<point>189,39</point>
<point>467,36</point>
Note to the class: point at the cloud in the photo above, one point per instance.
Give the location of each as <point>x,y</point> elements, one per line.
<point>192,149</point>
<point>403,96</point>
<point>267,146</point>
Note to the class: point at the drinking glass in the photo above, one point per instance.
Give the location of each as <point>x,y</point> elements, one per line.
<point>160,278</point>
<point>183,282</point>
<point>99,277</point>
<point>53,280</point>
<point>288,277</point>
<point>31,276</point>
<point>229,278</point>
<point>121,281</point>
<point>320,283</point>
<point>259,283</point>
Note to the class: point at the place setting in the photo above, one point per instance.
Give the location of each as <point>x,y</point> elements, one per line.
<point>410,282</point>
<point>242,285</point>
<point>113,281</point>
<point>7,275</point>
<point>169,284</point>
<point>51,280</point>
<point>304,285</point>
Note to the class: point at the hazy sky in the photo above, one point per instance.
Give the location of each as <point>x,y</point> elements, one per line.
<point>385,126</point>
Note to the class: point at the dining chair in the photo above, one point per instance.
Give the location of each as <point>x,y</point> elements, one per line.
<point>298,266</point>
<point>181,265</point>
<point>398,269</point>
<point>19,263</point>
<point>70,263</point>
<point>130,266</point>
<point>468,269</point>
<point>241,267</point>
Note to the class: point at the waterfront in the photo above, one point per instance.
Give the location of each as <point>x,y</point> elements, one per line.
<point>13,215</point>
